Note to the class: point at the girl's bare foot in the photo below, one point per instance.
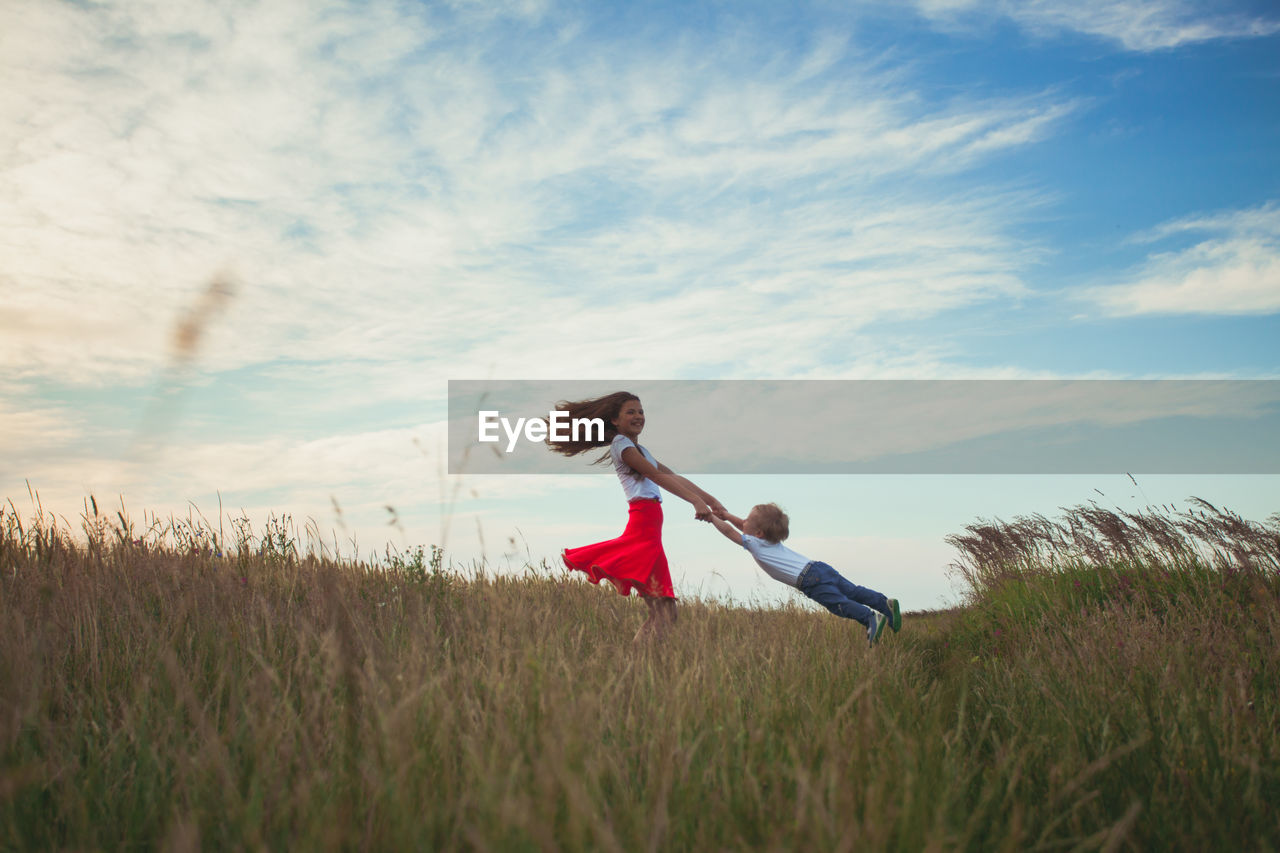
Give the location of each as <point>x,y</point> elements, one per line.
<point>662,615</point>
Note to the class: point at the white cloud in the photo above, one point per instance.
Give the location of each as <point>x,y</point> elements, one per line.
<point>28,433</point>
<point>385,187</point>
<point>1137,25</point>
<point>1233,269</point>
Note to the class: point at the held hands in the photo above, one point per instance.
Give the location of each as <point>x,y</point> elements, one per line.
<point>701,511</point>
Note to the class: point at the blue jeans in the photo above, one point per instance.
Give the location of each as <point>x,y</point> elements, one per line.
<point>839,595</point>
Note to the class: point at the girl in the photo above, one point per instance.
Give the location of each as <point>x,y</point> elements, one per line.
<point>635,560</point>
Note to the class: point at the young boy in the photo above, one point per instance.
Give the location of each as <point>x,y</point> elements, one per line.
<point>762,532</point>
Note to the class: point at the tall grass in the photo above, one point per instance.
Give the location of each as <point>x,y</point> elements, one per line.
<point>164,686</point>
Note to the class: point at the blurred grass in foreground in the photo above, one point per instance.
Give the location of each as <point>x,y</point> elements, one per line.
<point>165,688</point>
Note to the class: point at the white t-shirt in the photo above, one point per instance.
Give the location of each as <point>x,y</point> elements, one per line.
<point>779,561</point>
<point>635,488</point>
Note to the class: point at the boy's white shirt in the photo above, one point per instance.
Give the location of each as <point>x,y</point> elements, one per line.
<point>778,561</point>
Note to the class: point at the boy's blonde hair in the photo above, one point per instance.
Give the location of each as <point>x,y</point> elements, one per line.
<point>774,524</point>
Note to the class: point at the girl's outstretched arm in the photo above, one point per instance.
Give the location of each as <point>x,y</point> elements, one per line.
<point>673,483</point>
<point>716,506</point>
<point>727,529</point>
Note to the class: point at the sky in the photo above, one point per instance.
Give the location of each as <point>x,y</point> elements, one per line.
<point>244,246</point>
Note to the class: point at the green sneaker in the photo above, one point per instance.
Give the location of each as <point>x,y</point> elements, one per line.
<point>877,625</point>
<point>895,615</point>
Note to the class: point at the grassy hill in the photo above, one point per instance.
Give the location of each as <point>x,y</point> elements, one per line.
<point>1105,687</point>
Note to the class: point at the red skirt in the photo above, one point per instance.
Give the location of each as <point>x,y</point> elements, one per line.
<point>635,560</point>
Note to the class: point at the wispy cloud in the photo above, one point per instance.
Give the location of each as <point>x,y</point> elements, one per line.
<point>1233,268</point>
<point>1137,25</point>
<point>32,431</point>
<point>385,189</point>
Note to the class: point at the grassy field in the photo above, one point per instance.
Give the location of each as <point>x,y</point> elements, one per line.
<point>1112,683</point>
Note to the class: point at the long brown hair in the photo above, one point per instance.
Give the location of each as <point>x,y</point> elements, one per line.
<point>606,408</point>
